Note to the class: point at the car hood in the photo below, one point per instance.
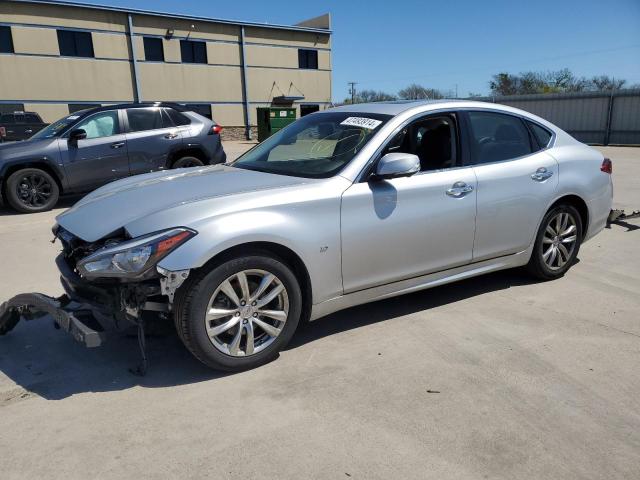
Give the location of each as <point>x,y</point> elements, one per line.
<point>117,204</point>
<point>11,150</point>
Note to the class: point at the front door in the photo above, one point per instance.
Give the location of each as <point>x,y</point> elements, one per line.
<point>406,227</point>
<point>516,183</point>
<point>99,158</point>
<point>151,139</point>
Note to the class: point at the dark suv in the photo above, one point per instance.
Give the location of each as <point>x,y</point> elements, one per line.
<point>87,149</point>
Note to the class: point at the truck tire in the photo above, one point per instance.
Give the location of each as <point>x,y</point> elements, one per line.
<point>239,314</point>
<point>31,190</point>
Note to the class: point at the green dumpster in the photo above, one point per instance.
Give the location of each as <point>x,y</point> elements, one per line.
<point>272,119</point>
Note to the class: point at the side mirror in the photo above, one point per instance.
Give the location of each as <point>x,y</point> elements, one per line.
<point>77,134</point>
<point>394,165</point>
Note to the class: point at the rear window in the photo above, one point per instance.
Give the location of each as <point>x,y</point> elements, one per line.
<point>141,119</point>
<point>541,134</point>
<point>176,117</point>
<point>31,118</point>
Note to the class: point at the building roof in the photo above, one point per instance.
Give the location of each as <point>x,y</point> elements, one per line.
<point>300,27</point>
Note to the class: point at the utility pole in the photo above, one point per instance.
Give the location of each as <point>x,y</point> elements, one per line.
<point>352,91</point>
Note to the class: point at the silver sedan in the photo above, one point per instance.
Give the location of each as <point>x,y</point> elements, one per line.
<point>343,207</point>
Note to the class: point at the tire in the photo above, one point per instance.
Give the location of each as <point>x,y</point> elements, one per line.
<point>31,190</point>
<point>544,263</point>
<point>186,162</point>
<point>217,347</point>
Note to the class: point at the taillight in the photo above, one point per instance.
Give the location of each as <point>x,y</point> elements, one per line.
<point>607,166</point>
<point>216,129</point>
<point>3,132</point>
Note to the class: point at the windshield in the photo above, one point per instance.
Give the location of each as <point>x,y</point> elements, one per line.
<point>56,127</point>
<point>316,146</point>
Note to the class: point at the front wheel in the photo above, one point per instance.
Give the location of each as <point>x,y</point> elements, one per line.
<point>557,243</point>
<point>31,190</point>
<point>240,314</point>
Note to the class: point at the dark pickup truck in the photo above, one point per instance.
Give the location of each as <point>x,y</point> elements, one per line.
<point>19,125</point>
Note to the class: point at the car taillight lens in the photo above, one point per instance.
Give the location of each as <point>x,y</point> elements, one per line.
<point>3,132</point>
<point>216,129</point>
<point>607,166</point>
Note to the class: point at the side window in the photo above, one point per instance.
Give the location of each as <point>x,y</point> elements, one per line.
<point>153,50</point>
<point>176,117</point>
<point>141,119</point>
<point>31,118</point>
<point>496,136</point>
<point>433,139</point>
<point>541,134</point>
<point>103,124</point>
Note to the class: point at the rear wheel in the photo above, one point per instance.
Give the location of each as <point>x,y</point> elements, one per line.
<point>557,243</point>
<point>186,162</point>
<point>31,190</point>
<point>240,314</point>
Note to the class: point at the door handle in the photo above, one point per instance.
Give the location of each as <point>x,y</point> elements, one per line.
<point>541,174</point>
<point>459,190</point>
<point>171,136</point>
<point>117,145</point>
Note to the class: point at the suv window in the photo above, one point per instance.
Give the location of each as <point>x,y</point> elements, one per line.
<point>433,139</point>
<point>541,134</point>
<point>31,118</point>
<point>496,136</point>
<point>103,124</point>
<point>176,117</point>
<point>141,119</point>
<point>7,118</point>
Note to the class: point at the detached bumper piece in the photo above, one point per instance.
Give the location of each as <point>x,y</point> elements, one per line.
<point>72,317</point>
<point>619,216</point>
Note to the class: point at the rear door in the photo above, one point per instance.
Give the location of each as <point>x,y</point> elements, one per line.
<point>151,138</point>
<point>516,182</point>
<point>101,157</point>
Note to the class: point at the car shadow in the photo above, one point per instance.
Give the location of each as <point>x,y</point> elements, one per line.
<point>46,362</point>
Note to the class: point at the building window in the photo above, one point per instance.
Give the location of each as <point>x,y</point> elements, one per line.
<point>75,44</point>
<point>193,52</point>
<point>6,42</point>
<point>76,107</point>
<point>153,51</point>
<point>308,59</point>
<point>307,109</point>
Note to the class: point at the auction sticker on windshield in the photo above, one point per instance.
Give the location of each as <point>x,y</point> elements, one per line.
<point>368,123</point>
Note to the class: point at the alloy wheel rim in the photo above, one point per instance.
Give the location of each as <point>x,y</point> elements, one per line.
<point>247,312</point>
<point>559,240</point>
<point>34,190</point>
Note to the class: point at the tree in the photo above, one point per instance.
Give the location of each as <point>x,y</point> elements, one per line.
<point>366,96</point>
<point>605,82</point>
<point>418,92</point>
<point>504,84</point>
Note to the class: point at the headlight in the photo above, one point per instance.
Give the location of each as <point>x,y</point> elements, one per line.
<point>134,258</point>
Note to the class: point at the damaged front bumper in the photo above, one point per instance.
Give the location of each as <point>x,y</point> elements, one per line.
<point>90,311</point>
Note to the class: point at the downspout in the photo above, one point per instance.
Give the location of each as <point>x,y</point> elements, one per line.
<point>136,94</point>
<point>245,87</point>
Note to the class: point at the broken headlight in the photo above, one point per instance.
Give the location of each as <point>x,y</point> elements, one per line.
<point>133,258</point>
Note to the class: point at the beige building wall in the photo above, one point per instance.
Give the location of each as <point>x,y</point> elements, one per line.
<point>46,83</point>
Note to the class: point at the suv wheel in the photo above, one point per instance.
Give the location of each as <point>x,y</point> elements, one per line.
<point>31,190</point>
<point>557,243</point>
<point>240,314</point>
<point>186,162</point>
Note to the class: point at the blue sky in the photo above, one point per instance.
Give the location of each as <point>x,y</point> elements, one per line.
<point>385,45</point>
